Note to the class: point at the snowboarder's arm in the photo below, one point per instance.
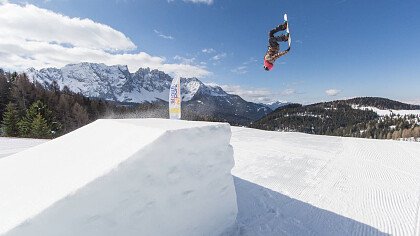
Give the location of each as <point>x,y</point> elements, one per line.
<point>280,54</point>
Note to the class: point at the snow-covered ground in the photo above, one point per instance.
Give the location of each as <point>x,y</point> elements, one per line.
<point>9,146</point>
<point>300,184</point>
<point>388,112</point>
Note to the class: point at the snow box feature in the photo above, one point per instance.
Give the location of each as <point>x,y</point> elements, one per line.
<point>122,177</point>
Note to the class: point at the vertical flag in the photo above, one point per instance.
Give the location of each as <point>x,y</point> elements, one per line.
<point>175,99</point>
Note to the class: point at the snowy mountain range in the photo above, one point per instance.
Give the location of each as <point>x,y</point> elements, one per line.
<point>276,104</point>
<point>116,83</point>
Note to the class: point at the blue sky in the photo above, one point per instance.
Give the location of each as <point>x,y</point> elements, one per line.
<point>346,47</point>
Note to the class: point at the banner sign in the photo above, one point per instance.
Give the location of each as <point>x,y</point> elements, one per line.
<point>175,99</point>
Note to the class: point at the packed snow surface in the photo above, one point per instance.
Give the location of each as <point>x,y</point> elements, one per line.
<point>122,177</point>
<point>299,184</point>
<point>9,146</point>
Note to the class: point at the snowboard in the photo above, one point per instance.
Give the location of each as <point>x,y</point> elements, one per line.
<point>287,30</point>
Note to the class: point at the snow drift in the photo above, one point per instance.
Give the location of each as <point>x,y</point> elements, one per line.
<point>122,177</point>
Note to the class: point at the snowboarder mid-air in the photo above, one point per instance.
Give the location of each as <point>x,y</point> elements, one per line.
<point>273,53</point>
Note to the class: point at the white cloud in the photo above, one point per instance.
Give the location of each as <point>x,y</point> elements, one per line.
<point>412,101</point>
<point>288,92</point>
<point>116,1</point>
<point>208,50</point>
<point>208,2</point>
<point>251,60</point>
<point>162,35</point>
<point>39,38</point>
<point>32,23</point>
<point>240,70</point>
<point>258,95</point>
<point>219,56</point>
<point>332,92</point>
<point>184,60</point>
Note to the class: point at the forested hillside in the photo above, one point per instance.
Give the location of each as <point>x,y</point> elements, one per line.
<point>341,118</point>
<point>33,110</point>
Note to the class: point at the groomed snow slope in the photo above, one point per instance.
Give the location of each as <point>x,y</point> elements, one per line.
<point>122,177</point>
<point>300,184</point>
<point>9,146</point>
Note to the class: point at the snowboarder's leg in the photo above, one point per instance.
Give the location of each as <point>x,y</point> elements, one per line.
<point>277,29</point>
<point>282,38</point>
<point>273,42</point>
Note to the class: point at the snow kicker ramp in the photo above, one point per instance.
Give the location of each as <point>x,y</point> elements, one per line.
<point>122,177</point>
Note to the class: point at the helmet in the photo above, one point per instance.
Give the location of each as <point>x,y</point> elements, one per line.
<point>267,65</point>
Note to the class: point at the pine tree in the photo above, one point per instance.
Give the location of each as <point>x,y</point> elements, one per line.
<point>4,92</point>
<point>40,128</point>
<point>22,92</point>
<point>63,112</point>
<point>416,132</point>
<point>407,133</point>
<point>79,115</point>
<point>10,121</point>
<point>26,123</point>
<point>396,134</point>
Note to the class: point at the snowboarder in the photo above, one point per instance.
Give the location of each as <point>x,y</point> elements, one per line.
<point>273,53</point>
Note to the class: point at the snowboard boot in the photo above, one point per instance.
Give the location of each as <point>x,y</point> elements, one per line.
<point>283,26</point>
<point>283,38</point>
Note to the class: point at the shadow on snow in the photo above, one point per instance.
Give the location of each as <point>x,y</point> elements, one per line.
<point>266,212</point>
